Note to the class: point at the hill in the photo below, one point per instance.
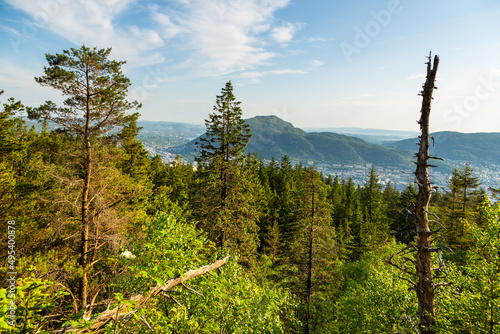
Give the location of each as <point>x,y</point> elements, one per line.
<point>376,136</point>
<point>477,148</point>
<point>273,137</point>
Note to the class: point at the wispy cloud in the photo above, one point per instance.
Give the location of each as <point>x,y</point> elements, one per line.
<point>16,80</point>
<point>415,76</point>
<point>256,74</point>
<point>93,23</point>
<point>316,64</point>
<point>495,72</point>
<point>283,33</point>
<point>226,36</point>
<point>215,38</point>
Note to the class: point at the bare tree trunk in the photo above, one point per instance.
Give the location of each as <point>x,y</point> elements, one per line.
<point>84,241</point>
<point>425,286</point>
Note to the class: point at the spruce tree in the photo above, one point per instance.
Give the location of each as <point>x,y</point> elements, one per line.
<point>226,203</point>
<point>313,248</point>
<point>227,134</point>
<point>461,200</point>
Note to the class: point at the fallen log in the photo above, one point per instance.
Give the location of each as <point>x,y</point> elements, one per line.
<point>122,310</point>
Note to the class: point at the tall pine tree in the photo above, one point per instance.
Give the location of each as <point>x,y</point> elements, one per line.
<point>96,103</point>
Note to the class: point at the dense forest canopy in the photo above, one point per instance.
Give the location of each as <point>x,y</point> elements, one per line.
<point>103,238</point>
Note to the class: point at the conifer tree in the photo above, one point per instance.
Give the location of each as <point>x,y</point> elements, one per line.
<point>314,247</point>
<point>403,225</point>
<point>227,134</point>
<point>226,201</point>
<point>351,222</point>
<point>376,226</point>
<point>460,202</point>
<point>96,103</point>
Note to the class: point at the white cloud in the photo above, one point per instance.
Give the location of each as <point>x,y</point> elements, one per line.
<point>495,72</point>
<point>225,36</point>
<point>217,37</point>
<point>91,22</point>
<point>284,33</point>
<point>316,39</point>
<point>315,64</point>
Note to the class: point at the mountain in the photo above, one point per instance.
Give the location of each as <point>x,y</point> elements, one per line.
<point>376,136</point>
<point>273,137</point>
<point>477,148</point>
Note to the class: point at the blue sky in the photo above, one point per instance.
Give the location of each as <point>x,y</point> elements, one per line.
<point>316,63</point>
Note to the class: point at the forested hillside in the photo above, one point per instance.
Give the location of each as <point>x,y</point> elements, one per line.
<point>101,238</point>
<point>273,137</point>
<point>472,147</point>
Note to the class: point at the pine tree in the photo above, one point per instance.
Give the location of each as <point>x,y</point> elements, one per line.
<point>96,103</point>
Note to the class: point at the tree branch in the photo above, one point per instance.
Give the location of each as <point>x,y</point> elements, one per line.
<point>140,300</point>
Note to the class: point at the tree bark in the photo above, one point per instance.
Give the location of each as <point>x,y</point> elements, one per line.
<point>425,286</point>
<point>84,235</point>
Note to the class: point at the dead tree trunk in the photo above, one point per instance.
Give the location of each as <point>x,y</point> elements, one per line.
<point>423,275</point>
<point>425,286</point>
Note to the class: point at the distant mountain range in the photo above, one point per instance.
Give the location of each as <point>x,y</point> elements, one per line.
<point>376,136</point>
<point>477,148</point>
<point>274,137</point>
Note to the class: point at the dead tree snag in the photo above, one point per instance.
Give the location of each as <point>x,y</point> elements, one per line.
<point>425,286</point>
<point>422,279</point>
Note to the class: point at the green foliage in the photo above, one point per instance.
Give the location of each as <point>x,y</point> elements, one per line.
<point>96,90</point>
<point>26,307</point>
<point>227,133</point>
<point>227,301</point>
<point>369,297</point>
<point>162,247</point>
<point>472,303</point>
<point>460,203</point>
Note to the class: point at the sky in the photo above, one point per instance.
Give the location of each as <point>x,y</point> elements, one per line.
<point>315,63</point>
